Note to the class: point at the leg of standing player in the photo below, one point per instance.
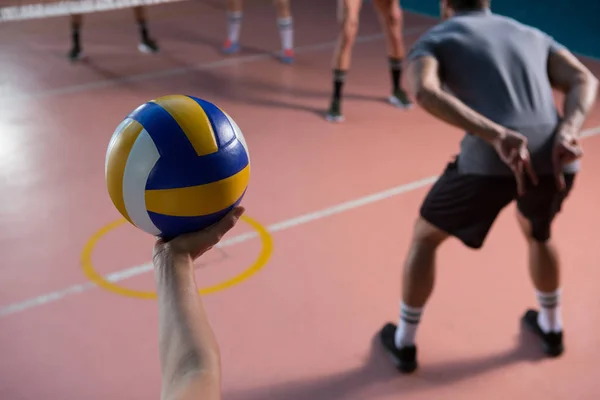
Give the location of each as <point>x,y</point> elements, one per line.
<point>234,26</point>
<point>147,44</point>
<point>348,15</point>
<point>390,16</point>
<point>536,213</point>
<point>76,49</point>
<point>285,25</point>
<point>459,205</point>
<point>466,206</point>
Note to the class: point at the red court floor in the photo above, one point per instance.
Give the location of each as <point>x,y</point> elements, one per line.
<point>338,201</point>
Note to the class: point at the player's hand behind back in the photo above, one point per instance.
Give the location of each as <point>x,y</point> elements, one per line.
<point>512,149</point>
<point>567,149</point>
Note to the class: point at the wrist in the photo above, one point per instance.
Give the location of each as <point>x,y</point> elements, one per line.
<point>568,129</point>
<point>571,125</point>
<point>493,134</point>
<point>170,257</point>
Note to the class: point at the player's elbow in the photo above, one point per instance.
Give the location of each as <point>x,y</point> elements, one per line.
<point>576,81</point>
<point>592,81</point>
<point>424,95</point>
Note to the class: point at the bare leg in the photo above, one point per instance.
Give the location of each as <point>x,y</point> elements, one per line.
<point>76,50</point>
<point>147,44</point>
<point>286,30</point>
<point>234,26</point>
<point>417,285</point>
<point>419,267</point>
<point>544,266</point>
<point>544,269</point>
<point>390,17</point>
<point>348,14</point>
<point>283,8</point>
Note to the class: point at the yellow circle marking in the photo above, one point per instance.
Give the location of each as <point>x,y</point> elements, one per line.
<point>91,273</point>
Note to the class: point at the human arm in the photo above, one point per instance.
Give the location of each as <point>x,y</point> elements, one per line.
<point>189,352</point>
<point>568,75</point>
<point>425,86</point>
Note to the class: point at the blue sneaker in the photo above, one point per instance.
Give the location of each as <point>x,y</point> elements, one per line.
<point>287,56</point>
<point>230,47</point>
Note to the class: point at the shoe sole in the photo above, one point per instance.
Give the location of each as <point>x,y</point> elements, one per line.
<point>405,368</point>
<point>397,104</point>
<point>333,119</point>
<point>146,49</point>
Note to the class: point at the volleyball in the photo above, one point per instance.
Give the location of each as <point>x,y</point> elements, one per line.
<point>176,164</point>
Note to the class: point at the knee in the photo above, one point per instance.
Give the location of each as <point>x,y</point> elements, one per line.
<point>427,236</point>
<point>536,231</point>
<point>394,17</point>
<point>349,28</point>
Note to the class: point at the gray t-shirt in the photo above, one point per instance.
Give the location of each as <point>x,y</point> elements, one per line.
<point>498,67</point>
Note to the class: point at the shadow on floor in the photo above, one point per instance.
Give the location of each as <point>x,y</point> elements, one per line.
<point>379,377</point>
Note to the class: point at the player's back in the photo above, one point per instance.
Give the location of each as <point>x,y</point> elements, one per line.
<point>498,67</point>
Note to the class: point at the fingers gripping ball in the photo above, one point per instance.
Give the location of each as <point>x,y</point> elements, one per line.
<point>176,164</point>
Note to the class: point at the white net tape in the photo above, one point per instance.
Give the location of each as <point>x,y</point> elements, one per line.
<point>21,11</point>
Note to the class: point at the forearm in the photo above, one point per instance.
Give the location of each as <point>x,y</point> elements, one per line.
<point>451,110</point>
<point>187,345</point>
<point>578,102</point>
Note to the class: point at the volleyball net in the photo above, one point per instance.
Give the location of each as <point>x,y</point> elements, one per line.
<point>16,10</point>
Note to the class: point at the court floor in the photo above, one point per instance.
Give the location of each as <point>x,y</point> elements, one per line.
<point>298,291</point>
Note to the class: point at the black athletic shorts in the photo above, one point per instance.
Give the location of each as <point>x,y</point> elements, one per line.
<point>466,206</point>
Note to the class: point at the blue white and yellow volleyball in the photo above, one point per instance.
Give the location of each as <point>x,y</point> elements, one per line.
<point>176,164</point>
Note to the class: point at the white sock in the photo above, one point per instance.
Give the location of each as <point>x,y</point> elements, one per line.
<point>549,317</point>
<point>286,31</point>
<point>234,20</point>
<point>407,326</point>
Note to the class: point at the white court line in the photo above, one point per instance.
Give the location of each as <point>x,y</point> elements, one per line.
<point>227,62</point>
<point>279,226</point>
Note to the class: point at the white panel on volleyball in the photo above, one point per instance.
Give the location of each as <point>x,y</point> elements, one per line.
<point>141,160</point>
<point>238,134</point>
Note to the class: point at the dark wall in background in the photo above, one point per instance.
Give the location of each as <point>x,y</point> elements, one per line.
<point>574,23</point>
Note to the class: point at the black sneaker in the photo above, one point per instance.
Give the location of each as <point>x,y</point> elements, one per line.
<point>334,114</point>
<point>400,99</point>
<point>75,54</point>
<point>405,358</point>
<point>552,343</point>
<point>148,46</point>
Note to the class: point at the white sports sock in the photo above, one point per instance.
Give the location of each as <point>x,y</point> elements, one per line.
<point>549,317</point>
<point>234,20</point>
<point>286,31</point>
<point>407,326</point>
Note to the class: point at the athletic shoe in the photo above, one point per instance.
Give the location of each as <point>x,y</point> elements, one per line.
<point>404,358</point>
<point>230,47</point>
<point>287,56</point>
<point>400,99</point>
<point>552,343</point>
<point>148,46</point>
<point>335,112</point>
<point>75,54</point>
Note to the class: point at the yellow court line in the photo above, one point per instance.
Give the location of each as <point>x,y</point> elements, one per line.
<point>90,271</point>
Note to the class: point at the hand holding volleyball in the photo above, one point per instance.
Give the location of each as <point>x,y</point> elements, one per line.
<point>175,165</point>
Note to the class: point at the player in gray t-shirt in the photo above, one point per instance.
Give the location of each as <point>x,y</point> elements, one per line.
<point>493,77</point>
